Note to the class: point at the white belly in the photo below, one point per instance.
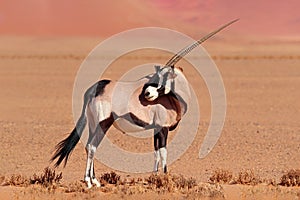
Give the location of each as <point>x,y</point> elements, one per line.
<point>126,126</point>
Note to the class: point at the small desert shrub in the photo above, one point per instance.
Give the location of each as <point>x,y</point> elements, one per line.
<point>247,177</point>
<point>110,178</point>
<point>48,178</point>
<point>183,183</point>
<point>160,181</point>
<point>292,178</point>
<point>170,183</point>
<point>221,176</point>
<point>16,180</point>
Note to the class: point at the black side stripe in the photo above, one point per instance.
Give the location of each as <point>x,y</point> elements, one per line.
<point>135,120</point>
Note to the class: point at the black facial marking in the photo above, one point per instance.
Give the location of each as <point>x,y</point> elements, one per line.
<point>147,85</point>
<point>165,78</point>
<point>161,91</point>
<point>155,79</point>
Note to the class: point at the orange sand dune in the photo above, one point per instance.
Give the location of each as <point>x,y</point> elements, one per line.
<point>103,18</point>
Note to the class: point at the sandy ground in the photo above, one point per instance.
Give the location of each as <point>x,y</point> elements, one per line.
<point>261,130</point>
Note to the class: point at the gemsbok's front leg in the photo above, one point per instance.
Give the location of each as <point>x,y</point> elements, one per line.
<point>93,176</point>
<point>160,148</point>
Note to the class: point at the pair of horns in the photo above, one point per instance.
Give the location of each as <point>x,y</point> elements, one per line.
<point>189,48</point>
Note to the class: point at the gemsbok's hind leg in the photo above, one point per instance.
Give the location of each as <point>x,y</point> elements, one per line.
<point>94,141</point>
<point>89,172</point>
<point>160,148</point>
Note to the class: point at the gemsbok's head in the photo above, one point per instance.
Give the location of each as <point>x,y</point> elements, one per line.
<point>161,82</point>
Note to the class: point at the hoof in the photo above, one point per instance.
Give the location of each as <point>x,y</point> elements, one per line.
<point>88,182</point>
<point>96,182</point>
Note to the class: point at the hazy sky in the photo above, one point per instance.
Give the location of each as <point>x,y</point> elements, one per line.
<point>107,17</point>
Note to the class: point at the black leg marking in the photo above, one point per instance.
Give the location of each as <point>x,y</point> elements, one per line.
<point>160,138</point>
<point>94,174</point>
<point>165,169</point>
<point>163,137</point>
<point>156,141</point>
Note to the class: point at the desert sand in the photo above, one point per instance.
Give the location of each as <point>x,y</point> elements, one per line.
<point>261,130</point>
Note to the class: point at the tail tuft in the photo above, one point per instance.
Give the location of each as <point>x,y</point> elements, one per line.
<point>65,148</point>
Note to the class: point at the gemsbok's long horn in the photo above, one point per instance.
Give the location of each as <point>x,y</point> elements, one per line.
<point>189,48</point>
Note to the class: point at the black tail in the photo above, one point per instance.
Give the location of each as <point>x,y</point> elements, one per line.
<point>66,146</point>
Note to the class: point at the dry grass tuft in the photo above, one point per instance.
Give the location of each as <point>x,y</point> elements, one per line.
<point>221,176</point>
<point>170,183</point>
<point>247,177</point>
<point>184,183</point>
<point>161,182</point>
<point>292,178</point>
<point>110,178</point>
<point>16,180</point>
<point>47,179</point>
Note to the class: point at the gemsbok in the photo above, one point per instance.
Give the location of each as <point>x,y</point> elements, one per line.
<point>157,101</point>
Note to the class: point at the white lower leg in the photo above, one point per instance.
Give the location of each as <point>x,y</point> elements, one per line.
<point>87,177</point>
<point>156,160</point>
<point>93,177</point>
<point>88,182</point>
<point>90,155</point>
<point>163,156</point>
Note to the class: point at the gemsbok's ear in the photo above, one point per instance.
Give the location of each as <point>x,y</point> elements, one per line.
<point>173,74</point>
<point>180,68</point>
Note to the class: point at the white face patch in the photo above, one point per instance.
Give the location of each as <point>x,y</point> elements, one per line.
<point>151,93</point>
